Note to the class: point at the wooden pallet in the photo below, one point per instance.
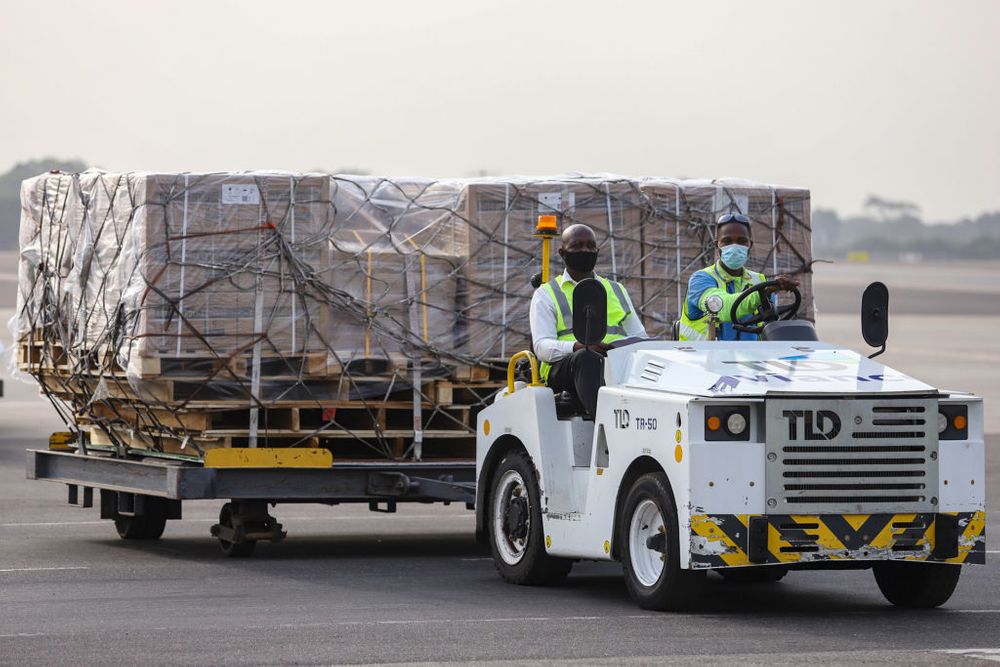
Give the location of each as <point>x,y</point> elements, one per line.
<point>393,444</point>
<point>343,415</point>
<point>188,404</point>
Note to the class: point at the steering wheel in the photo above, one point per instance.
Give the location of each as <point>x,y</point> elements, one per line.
<point>768,312</point>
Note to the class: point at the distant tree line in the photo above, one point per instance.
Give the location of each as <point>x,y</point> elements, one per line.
<point>10,193</point>
<point>891,230</point>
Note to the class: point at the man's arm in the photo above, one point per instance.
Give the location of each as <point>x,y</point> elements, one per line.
<point>702,286</point>
<point>542,318</point>
<point>632,324</point>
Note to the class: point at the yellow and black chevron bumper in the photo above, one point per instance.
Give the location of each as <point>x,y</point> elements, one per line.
<point>727,540</point>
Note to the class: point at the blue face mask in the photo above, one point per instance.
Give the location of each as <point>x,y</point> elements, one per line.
<point>734,256</point>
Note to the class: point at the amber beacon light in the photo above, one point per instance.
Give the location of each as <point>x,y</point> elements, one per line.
<point>546,228</point>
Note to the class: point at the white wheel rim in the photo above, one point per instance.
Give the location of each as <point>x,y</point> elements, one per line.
<point>510,487</point>
<point>647,564</point>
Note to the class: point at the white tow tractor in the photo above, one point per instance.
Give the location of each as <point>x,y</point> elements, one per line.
<point>747,458</point>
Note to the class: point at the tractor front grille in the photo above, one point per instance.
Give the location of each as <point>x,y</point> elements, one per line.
<point>851,456</point>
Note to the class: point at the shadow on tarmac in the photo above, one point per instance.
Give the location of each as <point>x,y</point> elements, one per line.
<point>456,556</point>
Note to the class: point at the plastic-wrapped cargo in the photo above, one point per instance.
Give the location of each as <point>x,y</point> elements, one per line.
<point>177,312</point>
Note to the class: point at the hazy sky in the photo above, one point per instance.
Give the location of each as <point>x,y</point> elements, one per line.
<point>901,99</point>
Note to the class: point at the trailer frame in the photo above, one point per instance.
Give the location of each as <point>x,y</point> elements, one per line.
<point>152,490</point>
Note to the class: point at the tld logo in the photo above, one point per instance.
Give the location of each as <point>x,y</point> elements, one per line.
<point>819,424</point>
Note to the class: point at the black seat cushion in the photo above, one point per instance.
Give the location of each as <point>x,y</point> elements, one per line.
<point>568,405</point>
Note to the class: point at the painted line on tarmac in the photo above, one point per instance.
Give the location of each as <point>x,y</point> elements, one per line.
<point>42,569</point>
<point>22,634</point>
<point>439,621</point>
<point>992,654</point>
<point>535,619</point>
<point>42,524</point>
<point>51,523</point>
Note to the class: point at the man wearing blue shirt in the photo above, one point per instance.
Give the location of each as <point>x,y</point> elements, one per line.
<point>715,288</point>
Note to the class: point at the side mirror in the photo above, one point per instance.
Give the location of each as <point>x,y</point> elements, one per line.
<point>875,316</point>
<point>590,312</point>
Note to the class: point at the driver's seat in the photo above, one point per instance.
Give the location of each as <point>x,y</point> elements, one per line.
<point>789,330</point>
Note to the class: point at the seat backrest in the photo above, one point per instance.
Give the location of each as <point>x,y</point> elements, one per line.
<point>789,330</point>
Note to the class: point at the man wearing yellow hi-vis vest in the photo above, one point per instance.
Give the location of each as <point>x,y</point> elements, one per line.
<point>566,364</point>
<point>715,288</point>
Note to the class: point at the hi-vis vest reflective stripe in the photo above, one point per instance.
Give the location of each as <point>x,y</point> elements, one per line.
<point>562,294</point>
<point>698,329</point>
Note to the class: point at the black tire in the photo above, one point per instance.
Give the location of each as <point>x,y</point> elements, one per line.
<point>130,527</point>
<point>233,549</point>
<point>156,518</point>
<point>517,542</point>
<point>917,585</point>
<point>673,589</point>
<point>148,526</point>
<point>754,575</point>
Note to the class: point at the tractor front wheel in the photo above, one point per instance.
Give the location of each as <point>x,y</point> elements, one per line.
<point>650,548</point>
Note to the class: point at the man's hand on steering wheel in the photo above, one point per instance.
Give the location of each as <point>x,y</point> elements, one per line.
<point>767,312</point>
<point>783,283</point>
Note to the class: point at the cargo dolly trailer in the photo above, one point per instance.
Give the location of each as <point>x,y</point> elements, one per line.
<point>140,496</point>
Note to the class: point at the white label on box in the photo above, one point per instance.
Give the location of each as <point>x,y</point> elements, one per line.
<point>240,194</point>
<point>553,202</point>
<point>727,201</point>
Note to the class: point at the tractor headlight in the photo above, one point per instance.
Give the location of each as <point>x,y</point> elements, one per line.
<point>953,421</point>
<point>736,423</point>
<point>727,422</point>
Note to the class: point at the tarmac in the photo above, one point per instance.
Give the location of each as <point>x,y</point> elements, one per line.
<point>350,586</point>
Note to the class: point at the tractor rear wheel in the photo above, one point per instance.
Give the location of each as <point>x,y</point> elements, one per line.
<point>917,585</point>
<point>650,547</point>
<point>515,532</point>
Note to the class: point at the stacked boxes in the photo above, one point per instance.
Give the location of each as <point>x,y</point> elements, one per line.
<point>124,276</point>
<point>224,261</point>
<point>504,255</point>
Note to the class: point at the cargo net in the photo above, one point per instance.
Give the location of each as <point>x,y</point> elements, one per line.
<point>176,313</point>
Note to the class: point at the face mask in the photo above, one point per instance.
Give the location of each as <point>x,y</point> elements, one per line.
<point>581,262</point>
<point>734,256</point>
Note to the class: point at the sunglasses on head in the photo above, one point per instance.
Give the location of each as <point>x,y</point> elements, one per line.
<point>734,217</point>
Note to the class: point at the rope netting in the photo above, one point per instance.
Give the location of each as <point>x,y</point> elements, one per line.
<point>179,312</point>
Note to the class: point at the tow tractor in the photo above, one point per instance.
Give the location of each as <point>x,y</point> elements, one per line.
<point>744,458</point>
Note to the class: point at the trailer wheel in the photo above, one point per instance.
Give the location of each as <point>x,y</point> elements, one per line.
<point>228,520</point>
<point>917,585</point>
<point>515,517</point>
<point>650,547</point>
<point>753,575</point>
<point>147,526</point>
<point>130,527</point>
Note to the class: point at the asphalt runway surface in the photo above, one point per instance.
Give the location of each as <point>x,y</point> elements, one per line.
<point>350,586</point>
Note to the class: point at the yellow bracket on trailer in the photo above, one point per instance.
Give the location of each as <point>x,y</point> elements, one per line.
<point>62,441</point>
<point>268,457</point>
